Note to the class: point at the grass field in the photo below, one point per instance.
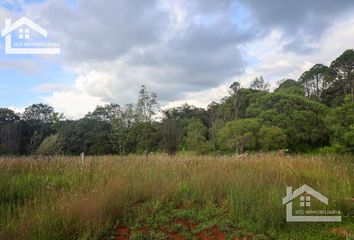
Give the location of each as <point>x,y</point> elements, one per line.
<point>184,197</point>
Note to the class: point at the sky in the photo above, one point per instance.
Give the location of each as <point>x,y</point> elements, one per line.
<point>186,51</point>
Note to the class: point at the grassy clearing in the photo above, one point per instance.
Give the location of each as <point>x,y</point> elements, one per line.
<point>185,197</point>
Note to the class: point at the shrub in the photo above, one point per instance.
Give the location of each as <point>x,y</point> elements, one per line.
<point>272,138</point>
<point>239,135</point>
<point>50,146</point>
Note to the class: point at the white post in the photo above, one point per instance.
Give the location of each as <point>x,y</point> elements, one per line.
<point>82,158</point>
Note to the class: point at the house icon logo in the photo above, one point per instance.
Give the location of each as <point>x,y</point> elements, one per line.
<point>24,29</point>
<point>306,214</point>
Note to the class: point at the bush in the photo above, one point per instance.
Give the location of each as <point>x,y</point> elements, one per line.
<point>239,135</point>
<point>272,138</point>
<point>50,146</point>
<point>335,148</point>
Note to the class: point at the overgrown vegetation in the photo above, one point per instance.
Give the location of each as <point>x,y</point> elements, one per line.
<point>183,197</point>
<point>312,114</point>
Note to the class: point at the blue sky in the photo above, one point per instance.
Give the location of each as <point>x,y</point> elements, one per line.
<point>22,75</point>
<point>185,51</point>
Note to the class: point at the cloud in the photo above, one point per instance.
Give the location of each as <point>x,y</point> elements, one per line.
<point>96,31</point>
<point>278,64</point>
<point>172,48</point>
<point>74,104</point>
<point>299,19</point>
<point>187,50</point>
<point>52,87</point>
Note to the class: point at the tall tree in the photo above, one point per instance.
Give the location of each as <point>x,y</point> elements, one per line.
<point>340,122</point>
<point>146,109</point>
<point>10,131</point>
<point>37,125</point>
<point>106,113</point>
<point>290,86</point>
<point>38,112</point>
<point>213,111</point>
<point>235,88</point>
<point>344,65</point>
<point>317,80</point>
<point>300,118</point>
<point>239,135</point>
<point>169,132</point>
<point>197,136</point>
<point>259,84</point>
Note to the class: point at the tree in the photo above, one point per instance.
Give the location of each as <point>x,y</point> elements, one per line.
<point>197,136</point>
<point>239,135</point>
<point>317,81</point>
<point>38,112</point>
<point>301,119</point>
<point>122,128</point>
<point>146,107</point>
<point>344,66</point>
<point>349,139</point>
<point>290,86</point>
<point>234,107</point>
<point>183,115</point>
<point>259,84</point>
<point>169,133</point>
<point>85,135</point>
<point>10,131</point>
<point>37,122</point>
<point>340,122</point>
<point>106,113</point>
<point>213,111</point>
<point>7,115</point>
<point>50,146</point>
<point>235,89</point>
<point>272,138</point>
<point>119,135</point>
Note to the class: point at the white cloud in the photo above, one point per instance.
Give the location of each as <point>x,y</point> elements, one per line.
<point>203,98</point>
<point>16,109</point>
<point>274,64</point>
<point>74,104</point>
<point>52,87</point>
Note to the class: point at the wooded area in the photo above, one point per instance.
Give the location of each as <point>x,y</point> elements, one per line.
<point>312,114</point>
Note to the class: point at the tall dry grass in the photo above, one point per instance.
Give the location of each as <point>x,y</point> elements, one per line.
<point>61,198</point>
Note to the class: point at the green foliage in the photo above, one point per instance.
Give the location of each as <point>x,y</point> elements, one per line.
<point>272,138</point>
<point>335,148</point>
<point>239,135</point>
<point>340,123</point>
<point>235,106</point>
<point>290,86</point>
<point>315,113</point>
<point>107,113</point>
<point>146,107</point>
<point>301,119</point>
<point>344,66</point>
<point>317,81</point>
<point>349,139</point>
<point>86,135</point>
<point>50,146</point>
<point>196,139</point>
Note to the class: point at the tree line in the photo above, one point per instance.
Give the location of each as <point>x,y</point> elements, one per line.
<point>312,113</point>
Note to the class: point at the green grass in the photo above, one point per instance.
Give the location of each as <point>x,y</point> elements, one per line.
<point>61,198</point>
